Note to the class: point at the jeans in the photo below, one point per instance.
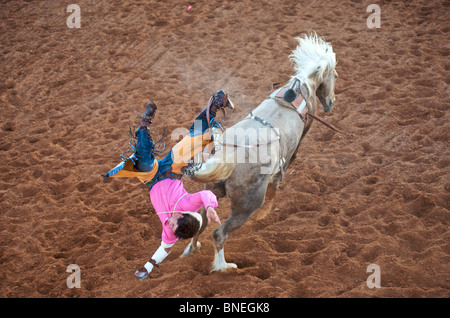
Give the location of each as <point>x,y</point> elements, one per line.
<point>145,145</point>
<point>144,150</point>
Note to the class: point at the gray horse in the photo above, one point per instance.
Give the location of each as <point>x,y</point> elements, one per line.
<point>254,153</point>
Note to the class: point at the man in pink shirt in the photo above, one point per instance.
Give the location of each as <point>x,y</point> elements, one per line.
<point>177,209</point>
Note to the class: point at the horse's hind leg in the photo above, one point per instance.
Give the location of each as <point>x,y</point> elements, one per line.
<point>235,221</point>
<point>244,201</point>
<point>272,188</point>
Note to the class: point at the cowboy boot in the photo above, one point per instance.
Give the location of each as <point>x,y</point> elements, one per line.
<point>149,114</point>
<point>221,101</point>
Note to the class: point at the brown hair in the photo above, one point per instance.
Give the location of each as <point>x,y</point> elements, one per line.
<point>188,226</point>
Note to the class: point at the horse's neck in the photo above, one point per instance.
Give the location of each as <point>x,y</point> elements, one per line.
<point>311,98</point>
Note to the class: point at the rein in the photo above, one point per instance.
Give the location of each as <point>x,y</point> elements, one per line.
<point>324,123</point>
<point>208,107</point>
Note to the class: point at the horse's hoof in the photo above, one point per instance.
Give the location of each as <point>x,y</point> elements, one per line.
<point>189,250</point>
<point>223,268</point>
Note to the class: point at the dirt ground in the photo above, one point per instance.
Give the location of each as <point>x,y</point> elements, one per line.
<point>379,195</point>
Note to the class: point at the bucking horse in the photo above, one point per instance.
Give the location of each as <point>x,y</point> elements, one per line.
<point>253,154</point>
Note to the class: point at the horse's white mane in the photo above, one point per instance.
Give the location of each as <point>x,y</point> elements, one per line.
<point>312,55</point>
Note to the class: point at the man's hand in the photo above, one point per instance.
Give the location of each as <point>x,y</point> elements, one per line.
<point>211,214</point>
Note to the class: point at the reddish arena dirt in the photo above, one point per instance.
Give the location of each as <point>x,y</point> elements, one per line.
<point>377,195</point>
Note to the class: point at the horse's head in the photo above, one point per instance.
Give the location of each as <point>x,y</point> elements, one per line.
<point>325,90</point>
<point>315,64</point>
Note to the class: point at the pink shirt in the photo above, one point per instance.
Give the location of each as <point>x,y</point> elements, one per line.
<point>165,194</point>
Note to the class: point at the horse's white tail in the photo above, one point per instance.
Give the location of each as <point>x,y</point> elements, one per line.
<point>217,168</point>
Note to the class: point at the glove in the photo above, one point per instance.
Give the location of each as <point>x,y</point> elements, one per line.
<point>157,258</point>
<point>141,273</point>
